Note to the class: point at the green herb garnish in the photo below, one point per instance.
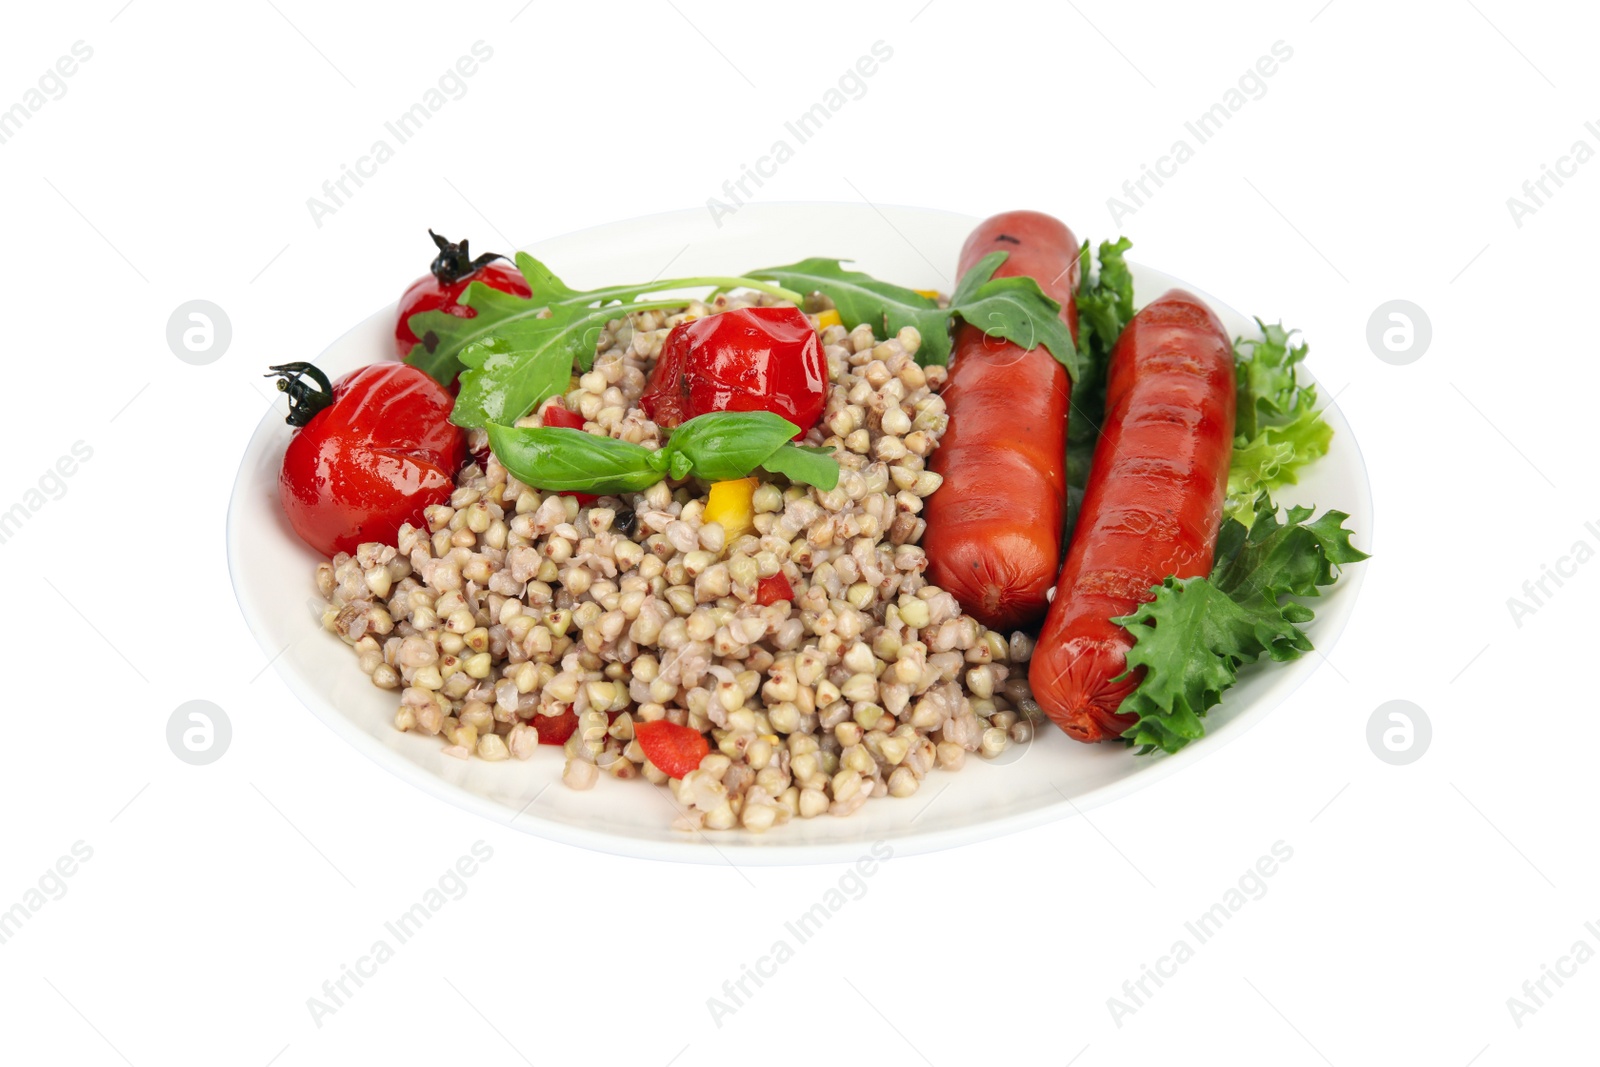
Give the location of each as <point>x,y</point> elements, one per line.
<point>1277,427</point>
<point>1105,305</point>
<point>1015,309</point>
<point>1193,637</point>
<point>718,446</point>
<point>509,352</point>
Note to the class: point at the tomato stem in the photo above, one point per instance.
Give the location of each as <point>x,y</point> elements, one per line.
<point>304,400</point>
<point>454,262</point>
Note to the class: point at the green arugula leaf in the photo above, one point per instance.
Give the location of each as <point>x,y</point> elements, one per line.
<point>723,445</point>
<point>1017,310</point>
<point>862,298</point>
<point>500,386</point>
<point>554,310</point>
<point>969,284</point>
<point>546,288</point>
<point>445,336</point>
<point>805,465</point>
<point>1013,308</point>
<point>558,459</point>
<point>1194,636</point>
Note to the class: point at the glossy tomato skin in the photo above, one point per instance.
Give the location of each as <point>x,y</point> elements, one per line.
<point>371,461</point>
<point>748,359</point>
<point>429,293</point>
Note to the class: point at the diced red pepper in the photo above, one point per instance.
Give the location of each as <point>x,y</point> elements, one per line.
<point>675,750</point>
<point>771,590</point>
<point>555,729</point>
<point>555,413</point>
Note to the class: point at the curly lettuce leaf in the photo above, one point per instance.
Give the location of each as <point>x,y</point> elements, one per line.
<point>1105,300</point>
<point>1105,306</point>
<point>1277,428</point>
<point>1191,640</point>
<point>1273,458</point>
<point>1194,636</point>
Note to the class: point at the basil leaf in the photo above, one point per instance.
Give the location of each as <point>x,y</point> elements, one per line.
<point>862,298</point>
<point>723,445</point>
<point>1016,309</point>
<point>499,386</point>
<point>804,465</point>
<point>563,460</point>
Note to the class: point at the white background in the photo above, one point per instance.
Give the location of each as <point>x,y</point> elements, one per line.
<point>1377,166</point>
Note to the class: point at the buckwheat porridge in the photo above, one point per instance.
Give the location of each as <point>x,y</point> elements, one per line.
<point>518,616</point>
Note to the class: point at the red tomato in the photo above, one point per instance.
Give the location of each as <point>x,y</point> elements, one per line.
<point>675,750</point>
<point>771,590</point>
<point>452,271</point>
<point>749,359</point>
<point>373,450</point>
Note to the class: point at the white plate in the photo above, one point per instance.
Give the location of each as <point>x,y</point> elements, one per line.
<point>1049,779</point>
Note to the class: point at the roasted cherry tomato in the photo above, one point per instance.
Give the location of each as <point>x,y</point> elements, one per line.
<point>372,451</point>
<point>452,271</point>
<point>749,359</point>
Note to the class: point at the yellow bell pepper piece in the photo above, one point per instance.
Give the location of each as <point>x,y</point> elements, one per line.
<point>931,294</point>
<point>827,318</point>
<point>732,504</point>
